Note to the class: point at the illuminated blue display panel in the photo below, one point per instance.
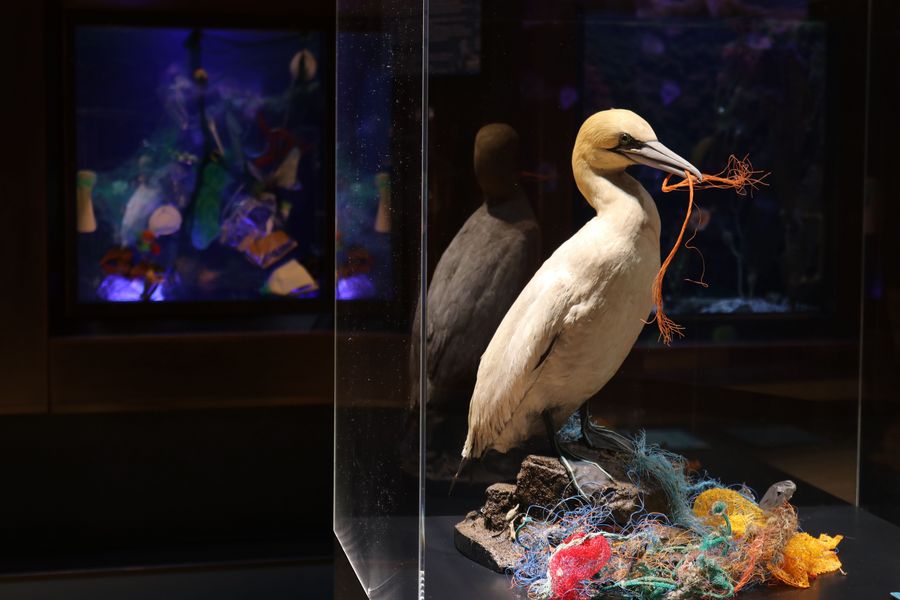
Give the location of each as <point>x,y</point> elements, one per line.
<point>201,164</point>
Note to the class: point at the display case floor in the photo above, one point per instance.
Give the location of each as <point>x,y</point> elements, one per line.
<point>870,553</point>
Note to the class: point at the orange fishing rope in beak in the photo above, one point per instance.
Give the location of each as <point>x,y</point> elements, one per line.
<point>739,174</point>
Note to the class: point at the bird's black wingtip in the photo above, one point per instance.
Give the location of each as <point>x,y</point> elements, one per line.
<point>462,464</point>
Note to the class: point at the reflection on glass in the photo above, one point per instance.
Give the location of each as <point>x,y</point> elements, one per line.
<point>363,183</point>
<point>477,278</point>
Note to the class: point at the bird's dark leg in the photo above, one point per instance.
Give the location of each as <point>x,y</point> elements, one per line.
<point>551,433</point>
<point>599,437</point>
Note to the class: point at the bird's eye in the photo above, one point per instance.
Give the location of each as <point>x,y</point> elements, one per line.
<point>626,140</point>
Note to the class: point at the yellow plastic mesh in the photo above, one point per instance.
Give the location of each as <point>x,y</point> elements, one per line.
<point>805,556</point>
<point>741,512</point>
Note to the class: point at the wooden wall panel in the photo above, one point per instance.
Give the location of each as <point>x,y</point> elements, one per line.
<point>94,374</point>
<point>23,278</point>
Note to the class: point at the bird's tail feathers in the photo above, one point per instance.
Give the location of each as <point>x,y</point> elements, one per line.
<point>468,446</point>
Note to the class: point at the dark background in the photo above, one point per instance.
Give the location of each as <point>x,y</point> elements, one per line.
<point>879,474</point>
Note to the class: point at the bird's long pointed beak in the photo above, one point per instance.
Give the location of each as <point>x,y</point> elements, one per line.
<point>656,155</point>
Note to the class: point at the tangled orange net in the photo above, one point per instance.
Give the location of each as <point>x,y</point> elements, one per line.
<point>738,175</point>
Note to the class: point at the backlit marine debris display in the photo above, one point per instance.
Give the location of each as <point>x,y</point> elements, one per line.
<point>200,164</point>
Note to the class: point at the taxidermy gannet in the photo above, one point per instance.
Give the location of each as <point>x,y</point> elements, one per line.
<point>475,282</point>
<point>576,320</point>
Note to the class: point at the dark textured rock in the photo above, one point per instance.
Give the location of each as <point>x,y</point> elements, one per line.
<point>492,549</point>
<point>500,498</point>
<point>484,535</point>
<point>542,481</point>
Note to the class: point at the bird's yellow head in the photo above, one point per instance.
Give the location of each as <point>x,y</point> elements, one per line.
<point>614,139</point>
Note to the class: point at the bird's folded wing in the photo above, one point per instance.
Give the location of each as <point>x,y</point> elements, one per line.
<point>468,307</point>
<point>442,280</point>
<point>448,292</point>
<point>508,367</point>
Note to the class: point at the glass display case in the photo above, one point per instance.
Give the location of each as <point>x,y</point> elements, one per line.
<point>507,306</point>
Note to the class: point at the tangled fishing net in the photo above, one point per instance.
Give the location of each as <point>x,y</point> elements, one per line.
<point>576,551</point>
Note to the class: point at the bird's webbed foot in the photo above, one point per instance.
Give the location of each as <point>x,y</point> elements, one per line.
<point>588,477</point>
<point>599,437</point>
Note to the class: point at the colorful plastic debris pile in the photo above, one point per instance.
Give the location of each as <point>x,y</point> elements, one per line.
<point>576,551</point>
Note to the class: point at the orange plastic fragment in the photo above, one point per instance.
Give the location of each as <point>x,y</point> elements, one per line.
<point>739,175</point>
<point>804,557</point>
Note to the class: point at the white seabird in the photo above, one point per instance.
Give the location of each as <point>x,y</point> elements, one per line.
<point>576,320</point>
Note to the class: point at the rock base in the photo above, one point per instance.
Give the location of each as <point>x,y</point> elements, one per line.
<point>486,535</point>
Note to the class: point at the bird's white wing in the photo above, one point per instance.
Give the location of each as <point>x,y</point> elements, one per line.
<point>510,364</point>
